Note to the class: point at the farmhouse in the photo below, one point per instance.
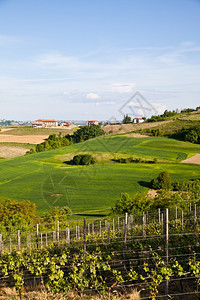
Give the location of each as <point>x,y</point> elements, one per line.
<point>92,122</point>
<point>65,124</point>
<point>138,120</point>
<point>45,123</point>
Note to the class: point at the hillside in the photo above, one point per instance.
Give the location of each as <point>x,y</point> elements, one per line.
<point>48,180</point>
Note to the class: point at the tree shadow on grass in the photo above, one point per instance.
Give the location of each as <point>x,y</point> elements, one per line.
<point>145,184</point>
<point>68,162</point>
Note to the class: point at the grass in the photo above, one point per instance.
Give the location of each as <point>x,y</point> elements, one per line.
<point>45,179</point>
<point>25,130</point>
<point>173,126</point>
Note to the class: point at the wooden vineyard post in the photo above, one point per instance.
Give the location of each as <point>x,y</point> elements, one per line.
<point>182,219</point>
<point>125,233</point>
<point>84,235</point>
<point>18,240</point>
<point>100,228</point>
<point>88,229</point>
<point>68,235</point>
<point>37,235</point>
<point>113,226</point>
<point>195,218</point>
<point>159,218</point>
<point>144,224</point>
<point>131,220</point>
<point>176,213</point>
<point>108,232</point>
<point>57,234</point>
<point>29,242</point>
<point>118,224</point>
<point>93,230</point>
<point>166,239</point>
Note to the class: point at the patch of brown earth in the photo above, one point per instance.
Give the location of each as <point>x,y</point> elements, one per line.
<point>12,151</point>
<point>195,159</point>
<point>25,139</point>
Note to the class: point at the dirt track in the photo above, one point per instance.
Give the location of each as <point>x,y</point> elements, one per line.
<point>195,159</point>
<point>26,139</point>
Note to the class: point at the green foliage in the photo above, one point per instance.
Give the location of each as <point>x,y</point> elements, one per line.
<point>57,214</point>
<point>85,133</point>
<point>163,181</point>
<point>132,160</point>
<point>83,159</point>
<point>16,214</point>
<point>127,119</point>
<point>190,134</point>
<point>57,141</point>
<point>136,204</point>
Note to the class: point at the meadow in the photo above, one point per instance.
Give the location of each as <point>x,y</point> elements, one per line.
<point>48,179</point>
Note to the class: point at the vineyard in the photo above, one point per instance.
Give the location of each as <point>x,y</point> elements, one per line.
<point>155,253</point>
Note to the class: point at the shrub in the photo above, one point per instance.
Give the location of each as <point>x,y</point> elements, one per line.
<point>163,181</point>
<point>83,159</point>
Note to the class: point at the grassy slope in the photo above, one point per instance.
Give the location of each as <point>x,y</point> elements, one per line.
<point>25,130</point>
<point>44,179</point>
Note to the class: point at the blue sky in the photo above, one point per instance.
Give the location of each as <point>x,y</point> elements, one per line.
<point>84,59</point>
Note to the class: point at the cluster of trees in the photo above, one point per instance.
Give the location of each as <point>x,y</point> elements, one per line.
<point>20,214</point>
<point>82,134</point>
<point>167,114</point>
<point>134,160</point>
<point>191,134</point>
<point>83,159</point>
<point>169,194</point>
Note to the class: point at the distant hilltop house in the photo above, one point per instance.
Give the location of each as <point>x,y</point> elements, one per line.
<point>138,120</point>
<point>40,123</point>
<point>92,122</point>
<point>65,124</point>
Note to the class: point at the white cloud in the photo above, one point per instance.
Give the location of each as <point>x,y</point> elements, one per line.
<point>159,107</point>
<point>5,39</point>
<point>122,87</point>
<point>93,96</point>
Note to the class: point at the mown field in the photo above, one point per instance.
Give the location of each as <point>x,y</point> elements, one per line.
<point>27,130</point>
<point>48,179</point>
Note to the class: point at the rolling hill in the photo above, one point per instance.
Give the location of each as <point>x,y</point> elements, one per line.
<point>47,179</point>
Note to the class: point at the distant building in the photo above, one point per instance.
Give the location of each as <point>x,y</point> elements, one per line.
<point>45,123</point>
<point>138,120</point>
<point>37,125</point>
<point>92,122</point>
<point>65,124</point>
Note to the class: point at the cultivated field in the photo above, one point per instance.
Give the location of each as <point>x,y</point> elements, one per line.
<point>47,179</point>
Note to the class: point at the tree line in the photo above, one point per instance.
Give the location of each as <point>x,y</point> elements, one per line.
<point>57,141</point>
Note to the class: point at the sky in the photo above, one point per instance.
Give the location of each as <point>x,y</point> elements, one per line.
<point>88,59</point>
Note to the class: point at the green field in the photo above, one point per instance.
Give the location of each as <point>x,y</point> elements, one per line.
<point>27,130</point>
<point>46,179</point>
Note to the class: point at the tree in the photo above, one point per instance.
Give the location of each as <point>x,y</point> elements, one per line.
<point>163,181</point>
<point>83,159</point>
<point>126,119</point>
